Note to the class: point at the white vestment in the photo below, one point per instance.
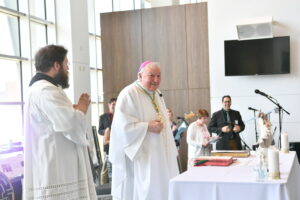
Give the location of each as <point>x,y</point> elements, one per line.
<point>56,159</point>
<point>142,162</point>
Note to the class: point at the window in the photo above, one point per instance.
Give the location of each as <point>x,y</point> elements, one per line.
<point>94,9</point>
<point>23,31</point>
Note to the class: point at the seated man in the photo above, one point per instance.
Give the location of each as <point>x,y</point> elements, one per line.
<point>227,124</point>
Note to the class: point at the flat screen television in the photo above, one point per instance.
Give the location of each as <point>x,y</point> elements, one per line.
<point>257,57</point>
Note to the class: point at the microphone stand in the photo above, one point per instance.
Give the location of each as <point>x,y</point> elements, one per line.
<point>255,127</point>
<point>280,113</point>
<point>245,144</point>
<point>238,135</point>
<point>256,133</point>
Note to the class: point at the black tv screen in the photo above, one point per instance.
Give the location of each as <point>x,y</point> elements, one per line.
<point>257,57</point>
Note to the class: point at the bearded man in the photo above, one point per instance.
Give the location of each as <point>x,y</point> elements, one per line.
<point>56,159</point>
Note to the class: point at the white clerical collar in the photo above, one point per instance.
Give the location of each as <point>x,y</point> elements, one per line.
<point>138,82</point>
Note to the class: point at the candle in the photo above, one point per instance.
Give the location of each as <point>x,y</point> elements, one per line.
<point>273,163</point>
<point>285,143</point>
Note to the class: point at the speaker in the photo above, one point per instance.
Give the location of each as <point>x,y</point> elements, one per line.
<point>255,28</point>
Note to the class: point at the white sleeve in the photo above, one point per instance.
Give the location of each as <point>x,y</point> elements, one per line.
<point>57,108</point>
<point>127,127</point>
<point>191,137</point>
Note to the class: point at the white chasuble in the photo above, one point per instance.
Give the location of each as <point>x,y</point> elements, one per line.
<point>56,159</point>
<point>142,162</point>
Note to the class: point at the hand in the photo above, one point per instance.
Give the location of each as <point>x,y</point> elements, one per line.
<point>107,136</point>
<point>226,129</point>
<point>174,128</point>
<point>205,143</point>
<point>236,128</point>
<point>83,103</point>
<point>155,126</point>
<point>107,131</point>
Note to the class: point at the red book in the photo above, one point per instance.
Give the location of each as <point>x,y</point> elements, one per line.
<point>213,161</point>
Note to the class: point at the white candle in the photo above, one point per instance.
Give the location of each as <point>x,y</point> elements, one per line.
<point>273,160</point>
<point>284,142</point>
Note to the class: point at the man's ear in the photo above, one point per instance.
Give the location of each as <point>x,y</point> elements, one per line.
<point>56,66</point>
<point>139,76</point>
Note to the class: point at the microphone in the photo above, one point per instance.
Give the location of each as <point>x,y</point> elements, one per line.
<point>159,93</point>
<point>262,93</point>
<point>180,118</point>
<point>252,109</point>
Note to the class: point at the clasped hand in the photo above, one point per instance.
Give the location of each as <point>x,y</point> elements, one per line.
<point>155,126</point>
<point>83,103</point>
<point>227,129</point>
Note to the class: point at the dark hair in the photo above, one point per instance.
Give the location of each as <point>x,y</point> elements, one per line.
<point>112,100</point>
<point>48,55</point>
<point>226,96</point>
<point>202,113</point>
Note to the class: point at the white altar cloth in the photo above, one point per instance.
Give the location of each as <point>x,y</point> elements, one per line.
<point>237,182</point>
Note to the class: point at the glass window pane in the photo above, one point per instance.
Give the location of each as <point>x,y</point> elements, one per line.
<point>120,5</point>
<point>99,53</point>
<point>9,39</point>
<point>23,6</point>
<point>116,5</point>
<point>147,4</point>
<point>26,77</point>
<point>92,46</point>
<point>38,35</point>
<point>100,108</point>
<point>51,34</point>
<point>97,110</point>
<point>98,24</point>
<point>50,12</point>
<point>101,7</point>
<point>11,123</point>
<point>100,86</point>
<point>37,8</point>
<point>184,1</point>
<point>137,4</point>
<point>25,41</point>
<point>94,85</point>
<point>12,4</point>
<point>95,115</point>
<point>10,87</point>
<point>91,16</point>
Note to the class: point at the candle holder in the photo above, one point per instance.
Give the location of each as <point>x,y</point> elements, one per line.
<point>273,163</point>
<point>274,175</point>
<point>285,150</point>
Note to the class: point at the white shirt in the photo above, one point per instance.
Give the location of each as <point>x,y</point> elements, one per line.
<point>56,158</point>
<point>194,139</point>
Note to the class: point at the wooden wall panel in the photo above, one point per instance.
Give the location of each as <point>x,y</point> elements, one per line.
<point>164,41</point>
<point>199,98</point>
<point>177,101</point>
<point>197,45</point>
<point>121,49</point>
